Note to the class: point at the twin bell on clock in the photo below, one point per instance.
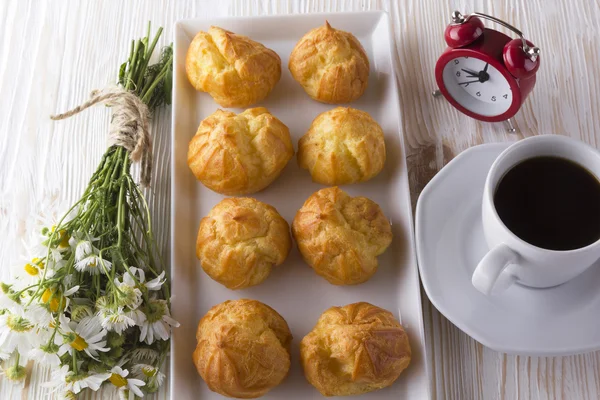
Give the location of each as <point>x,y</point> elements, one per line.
<point>484,73</point>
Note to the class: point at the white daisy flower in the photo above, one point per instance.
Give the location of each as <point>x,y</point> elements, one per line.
<point>156,283</point>
<point>39,315</point>
<point>115,320</point>
<point>87,335</point>
<point>53,299</point>
<point>59,238</point>
<point>63,381</point>
<point>94,264</point>
<point>17,333</point>
<point>128,295</point>
<point>28,271</point>
<point>56,301</point>
<point>120,380</point>
<point>82,245</point>
<point>158,322</point>
<point>90,380</point>
<point>46,355</point>
<point>149,374</point>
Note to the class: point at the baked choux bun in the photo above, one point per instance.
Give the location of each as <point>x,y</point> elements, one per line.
<point>340,236</point>
<point>235,70</point>
<point>342,146</point>
<point>331,65</point>
<point>354,349</point>
<point>241,240</point>
<point>243,349</point>
<point>239,154</point>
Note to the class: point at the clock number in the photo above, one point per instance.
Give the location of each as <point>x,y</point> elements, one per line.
<point>505,96</point>
<point>455,61</point>
<point>478,94</point>
<point>458,73</point>
<point>493,98</point>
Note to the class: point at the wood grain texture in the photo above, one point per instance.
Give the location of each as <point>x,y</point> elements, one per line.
<point>52,54</point>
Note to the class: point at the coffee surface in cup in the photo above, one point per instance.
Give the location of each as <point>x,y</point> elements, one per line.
<point>550,202</point>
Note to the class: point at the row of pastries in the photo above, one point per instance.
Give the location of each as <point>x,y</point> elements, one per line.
<point>339,236</point>
<point>243,346</point>
<point>240,154</point>
<point>244,349</point>
<point>331,65</point>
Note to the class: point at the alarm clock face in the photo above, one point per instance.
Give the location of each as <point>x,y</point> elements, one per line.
<point>477,86</point>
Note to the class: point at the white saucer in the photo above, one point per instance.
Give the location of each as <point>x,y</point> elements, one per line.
<point>449,239</point>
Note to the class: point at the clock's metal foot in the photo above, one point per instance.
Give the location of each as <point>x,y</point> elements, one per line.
<point>436,93</point>
<point>509,126</point>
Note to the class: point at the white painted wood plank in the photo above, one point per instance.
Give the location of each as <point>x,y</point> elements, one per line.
<point>52,54</point>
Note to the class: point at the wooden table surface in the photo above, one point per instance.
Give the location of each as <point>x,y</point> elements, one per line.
<point>52,54</point>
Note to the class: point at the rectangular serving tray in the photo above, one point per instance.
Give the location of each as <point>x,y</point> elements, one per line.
<point>294,289</point>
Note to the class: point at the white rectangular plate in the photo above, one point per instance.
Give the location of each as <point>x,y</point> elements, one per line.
<point>293,289</point>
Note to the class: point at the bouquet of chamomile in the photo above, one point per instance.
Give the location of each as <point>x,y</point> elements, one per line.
<point>92,301</point>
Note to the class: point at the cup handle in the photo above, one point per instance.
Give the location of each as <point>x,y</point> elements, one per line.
<point>490,276</point>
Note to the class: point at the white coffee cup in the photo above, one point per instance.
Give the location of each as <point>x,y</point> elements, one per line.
<point>510,259</point>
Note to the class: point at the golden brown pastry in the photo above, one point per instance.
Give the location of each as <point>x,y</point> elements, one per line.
<point>342,146</point>
<point>243,348</point>
<point>235,70</point>
<point>341,236</point>
<point>331,65</point>
<point>354,349</point>
<point>239,154</point>
<point>241,240</point>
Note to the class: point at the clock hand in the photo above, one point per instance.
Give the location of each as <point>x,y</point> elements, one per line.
<point>468,82</point>
<point>483,75</point>
<point>470,72</point>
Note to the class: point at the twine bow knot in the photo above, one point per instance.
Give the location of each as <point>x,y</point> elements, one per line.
<point>129,125</point>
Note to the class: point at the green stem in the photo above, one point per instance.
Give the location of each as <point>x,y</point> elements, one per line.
<point>148,54</point>
<point>132,62</point>
<point>147,92</point>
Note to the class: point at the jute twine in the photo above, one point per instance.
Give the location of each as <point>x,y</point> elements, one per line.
<point>128,126</point>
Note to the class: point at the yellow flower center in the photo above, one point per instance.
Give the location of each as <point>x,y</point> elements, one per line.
<point>149,372</point>
<point>53,301</point>
<point>117,380</point>
<point>79,343</point>
<point>93,263</point>
<point>64,239</point>
<point>31,270</point>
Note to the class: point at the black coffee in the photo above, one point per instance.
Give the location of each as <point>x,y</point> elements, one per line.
<point>550,202</point>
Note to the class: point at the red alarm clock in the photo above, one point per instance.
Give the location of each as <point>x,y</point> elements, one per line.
<point>484,73</point>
